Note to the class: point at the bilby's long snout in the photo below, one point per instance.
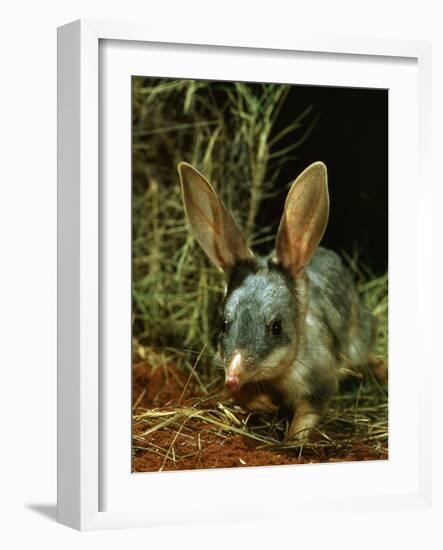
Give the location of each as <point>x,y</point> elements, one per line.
<point>233,371</point>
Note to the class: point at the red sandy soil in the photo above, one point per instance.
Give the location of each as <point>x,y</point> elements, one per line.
<point>200,445</point>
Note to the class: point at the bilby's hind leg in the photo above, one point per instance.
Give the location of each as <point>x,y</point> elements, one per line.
<point>378,367</point>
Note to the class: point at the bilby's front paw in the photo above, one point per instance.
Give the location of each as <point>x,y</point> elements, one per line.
<point>252,398</point>
<point>299,435</point>
<point>303,422</point>
<point>262,403</point>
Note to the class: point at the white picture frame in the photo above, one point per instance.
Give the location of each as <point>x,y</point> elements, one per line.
<point>93,490</point>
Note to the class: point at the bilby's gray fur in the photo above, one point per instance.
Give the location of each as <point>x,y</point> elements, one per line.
<point>291,321</point>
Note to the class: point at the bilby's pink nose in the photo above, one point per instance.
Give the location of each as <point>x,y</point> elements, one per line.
<point>232,381</point>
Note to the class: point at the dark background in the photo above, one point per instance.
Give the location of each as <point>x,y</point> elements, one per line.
<point>351,137</point>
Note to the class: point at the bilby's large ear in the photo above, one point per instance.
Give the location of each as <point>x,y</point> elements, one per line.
<point>304,218</point>
<point>212,225</point>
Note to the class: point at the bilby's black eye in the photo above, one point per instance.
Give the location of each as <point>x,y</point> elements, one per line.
<point>224,326</point>
<point>275,327</point>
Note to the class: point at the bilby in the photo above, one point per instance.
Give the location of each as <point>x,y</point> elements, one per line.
<point>292,319</point>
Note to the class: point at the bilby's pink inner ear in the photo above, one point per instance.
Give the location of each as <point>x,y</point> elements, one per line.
<point>304,218</point>
<point>212,225</point>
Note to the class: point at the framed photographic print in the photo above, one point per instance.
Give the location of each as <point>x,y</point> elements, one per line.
<point>214,388</point>
<point>232,229</point>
